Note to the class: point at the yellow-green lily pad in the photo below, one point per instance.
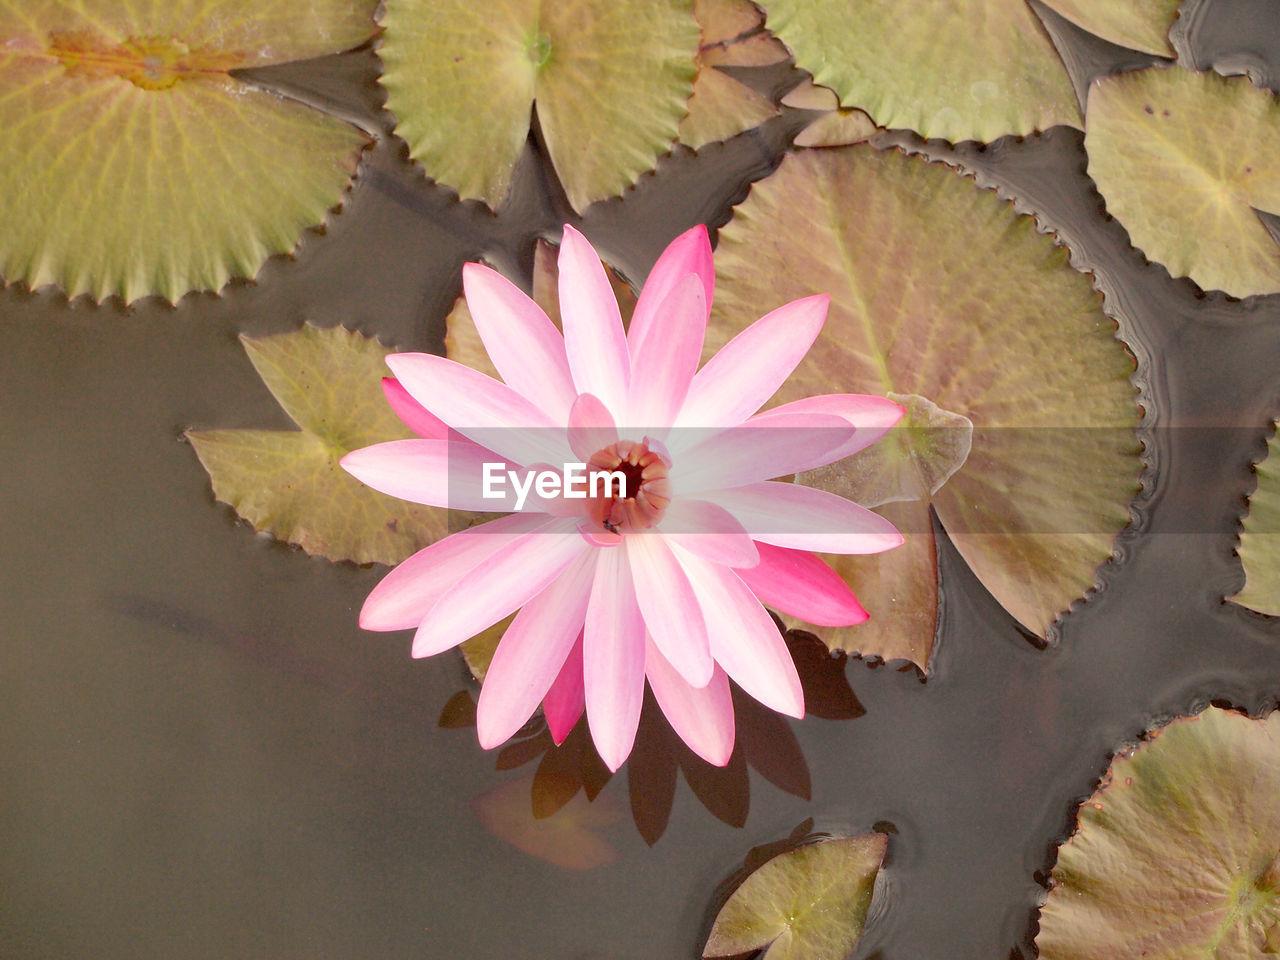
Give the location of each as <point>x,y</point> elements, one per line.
<point>956,69</point>
<point>1177,854</point>
<point>610,79</point>
<point>809,903</point>
<point>941,291</point>
<point>1260,540</point>
<point>1184,160</point>
<point>288,483</point>
<point>132,162</point>
<point>1136,24</point>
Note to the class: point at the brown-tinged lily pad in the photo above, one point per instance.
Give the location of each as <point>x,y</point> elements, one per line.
<point>1260,540</point>
<point>287,482</point>
<point>721,107</point>
<point>809,903</point>
<point>956,69</point>
<point>132,162</point>
<point>1177,854</point>
<point>1184,161</point>
<point>942,292</point>
<point>610,79</point>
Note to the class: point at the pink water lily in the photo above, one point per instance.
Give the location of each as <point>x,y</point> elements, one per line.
<point>662,577</point>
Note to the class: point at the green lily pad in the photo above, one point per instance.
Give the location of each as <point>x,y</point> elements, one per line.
<point>927,65</point>
<point>1184,160</point>
<point>1177,855</point>
<point>940,290</point>
<point>609,77</point>
<point>720,106</point>
<point>809,903</point>
<point>1136,24</point>
<point>288,483</point>
<point>1260,540</point>
<point>133,163</point>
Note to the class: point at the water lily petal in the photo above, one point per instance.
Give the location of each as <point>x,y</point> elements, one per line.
<point>532,652</point>
<point>872,418</point>
<point>483,409</point>
<point>702,717</point>
<point>803,585</point>
<point>750,368</point>
<point>744,639</point>
<point>756,450</point>
<point>406,595</point>
<point>505,581</point>
<point>663,365</point>
<point>413,414</point>
<point>805,518</point>
<point>710,531</point>
<point>526,348</point>
<point>566,700</point>
<point>593,336</point>
<point>613,659</point>
<point>591,426</point>
<point>439,473</point>
<point>670,608</point>
<point>688,253</point>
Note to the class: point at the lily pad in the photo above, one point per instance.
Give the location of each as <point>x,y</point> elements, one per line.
<point>1260,541</point>
<point>288,483</point>
<point>809,903</point>
<point>956,69</point>
<point>1177,855</point>
<point>609,77</point>
<point>1184,160</point>
<point>837,126</point>
<point>721,107</point>
<point>1136,24</point>
<point>132,162</point>
<point>941,291</point>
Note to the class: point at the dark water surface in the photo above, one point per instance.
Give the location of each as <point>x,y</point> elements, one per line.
<point>204,758</point>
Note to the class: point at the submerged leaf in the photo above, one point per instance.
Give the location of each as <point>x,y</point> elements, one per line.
<point>1184,160</point>
<point>572,838</point>
<point>1136,24</point>
<point>957,69</point>
<point>609,77</point>
<point>133,163</point>
<point>940,290</point>
<point>809,903</point>
<point>287,482</point>
<point>1177,854</point>
<point>1260,541</point>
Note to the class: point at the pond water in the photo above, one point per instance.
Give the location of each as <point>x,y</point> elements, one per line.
<point>204,757</point>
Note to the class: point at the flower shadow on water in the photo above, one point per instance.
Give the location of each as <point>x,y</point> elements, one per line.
<point>765,742</point>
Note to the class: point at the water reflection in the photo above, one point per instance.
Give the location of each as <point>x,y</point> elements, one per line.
<point>571,775</point>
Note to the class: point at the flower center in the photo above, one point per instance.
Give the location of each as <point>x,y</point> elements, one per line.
<point>645,488</point>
